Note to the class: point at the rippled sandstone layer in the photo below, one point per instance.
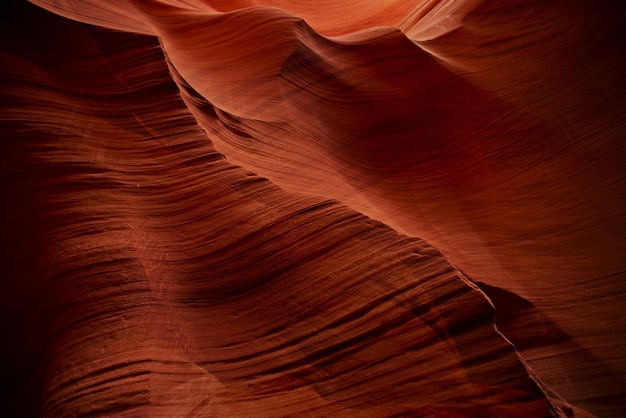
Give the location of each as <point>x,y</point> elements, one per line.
<point>144,273</point>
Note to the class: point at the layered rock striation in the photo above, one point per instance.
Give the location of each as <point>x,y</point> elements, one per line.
<point>278,209</point>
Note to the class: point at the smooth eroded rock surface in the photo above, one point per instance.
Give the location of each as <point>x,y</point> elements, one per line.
<point>276,208</point>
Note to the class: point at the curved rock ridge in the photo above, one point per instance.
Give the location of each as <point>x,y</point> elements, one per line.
<point>146,274</point>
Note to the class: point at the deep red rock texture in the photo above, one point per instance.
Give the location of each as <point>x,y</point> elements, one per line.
<point>334,208</point>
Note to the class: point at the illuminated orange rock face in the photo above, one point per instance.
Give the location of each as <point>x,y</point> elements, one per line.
<point>146,274</point>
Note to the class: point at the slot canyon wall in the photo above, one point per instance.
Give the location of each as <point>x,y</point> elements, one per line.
<point>313,208</point>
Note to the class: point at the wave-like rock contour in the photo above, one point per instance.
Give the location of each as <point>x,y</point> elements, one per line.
<point>144,273</point>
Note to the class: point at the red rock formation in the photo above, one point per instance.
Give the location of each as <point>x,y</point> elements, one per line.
<point>146,274</point>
